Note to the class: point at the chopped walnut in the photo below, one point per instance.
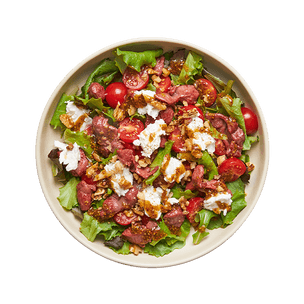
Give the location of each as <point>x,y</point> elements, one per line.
<point>188,144</point>
<point>250,166</point>
<point>96,156</point>
<point>66,120</point>
<point>142,163</point>
<point>119,114</point>
<point>156,79</point>
<point>92,171</point>
<point>220,159</point>
<point>131,110</point>
<point>135,249</point>
<point>70,147</point>
<point>96,196</point>
<point>166,73</point>
<point>158,105</point>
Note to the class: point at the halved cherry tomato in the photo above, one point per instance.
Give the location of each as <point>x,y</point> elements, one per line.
<point>135,80</point>
<point>164,84</point>
<point>116,93</point>
<point>231,169</point>
<point>206,90</point>
<point>251,121</point>
<point>179,143</point>
<point>190,107</point>
<point>129,130</point>
<point>195,205</point>
<point>88,180</point>
<point>121,219</point>
<point>220,148</point>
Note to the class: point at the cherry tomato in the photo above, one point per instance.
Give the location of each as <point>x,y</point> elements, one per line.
<point>88,180</point>
<point>206,90</point>
<point>121,219</point>
<point>231,169</point>
<point>220,148</point>
<point>195,205</point>
<point>190,107</point>
<point>164,84</point>
<point>115,93</point>
<point>179,143</point>
<point>251,121</point>
<point>135,80</point>
<point>129,130</point>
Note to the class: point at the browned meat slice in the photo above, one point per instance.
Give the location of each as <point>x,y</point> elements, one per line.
<point>84,195</point>
<point>198,176</point>
<point>82,165</point>
<point>186,93</point>
<point>175,217</point>
<point>166,115</point>
<point>106,136</point>
<point>140,234</point>
<point>96,90</point>
<point>159,65</point>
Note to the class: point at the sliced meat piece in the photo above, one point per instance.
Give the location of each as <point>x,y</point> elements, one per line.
<point>160,62</point>
<point>149,120</point>
<point>126,156</point>
<point>145,172</point>
<point>166,115</point>
<point>106,136</point>
<point>96,90</point>
<point>83,164</point>
<point>186,93</point>
<point>175,217</point>
<point>140,234</point>
<point>131,197</point>
<point>111,206</point>
<point>84,195</point>
<point>198,176</point>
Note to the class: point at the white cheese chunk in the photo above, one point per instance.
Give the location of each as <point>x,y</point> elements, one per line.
<point>175,171</point>
<point>224,200</point>
<point>204,140</point>
<point>120,176</point>
<point>70,158</point>
<point>150,138</point>
<point>74,112</point>
<point>152,201</point>
<point>148,109</point>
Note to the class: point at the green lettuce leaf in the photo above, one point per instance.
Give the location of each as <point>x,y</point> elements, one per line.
<point>90,228</point>
<point>136,59</point>
<point>68,194</point>
<point>125,249</point>
<point>238,201</point>
<point>81,138</point>
<point>100,75</point>
<point>60,109</point>
<point>209,164</point>
<point>192,66</point>
<point>178,192</point>
<point>162,248</point>
<point>198,236</point>
<point>158,160</point>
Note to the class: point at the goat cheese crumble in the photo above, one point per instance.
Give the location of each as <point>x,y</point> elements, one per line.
<point>68,157</point>
<point>149,139</point>
<point>121,179</point>
<point>74,112</point>
<point>200,138</point>
<point>218,203</point>
<point>175,170</point>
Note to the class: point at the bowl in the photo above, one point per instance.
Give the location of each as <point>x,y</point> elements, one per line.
<point>259,155</point>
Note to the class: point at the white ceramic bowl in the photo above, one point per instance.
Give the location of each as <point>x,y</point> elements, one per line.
<point>259,155</point>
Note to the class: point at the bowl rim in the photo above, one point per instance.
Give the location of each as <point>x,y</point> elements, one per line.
<point>119,258</point>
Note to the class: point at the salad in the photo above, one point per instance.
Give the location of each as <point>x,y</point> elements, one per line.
<point>153,145</point>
